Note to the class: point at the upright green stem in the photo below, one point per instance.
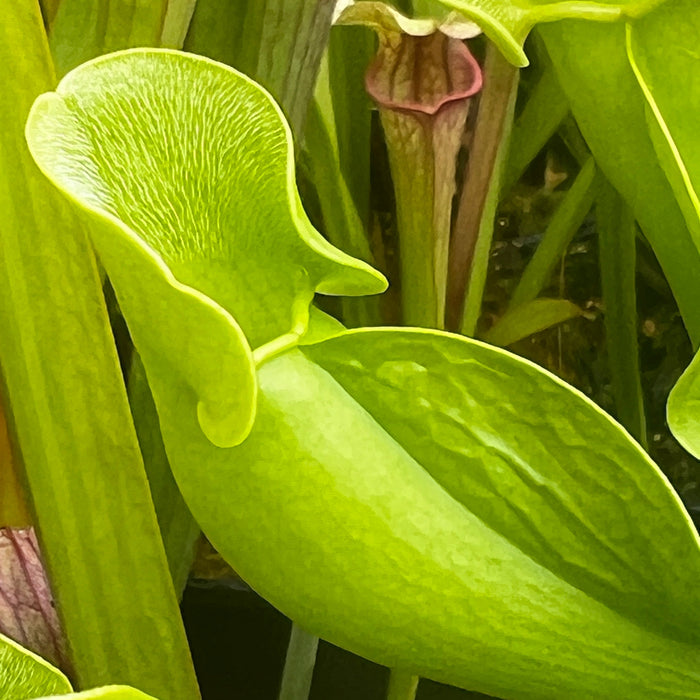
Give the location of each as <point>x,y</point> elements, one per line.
<point>617,245</point>
<point>403,685</point>
<point>299,665</point>
<point>473,228</point>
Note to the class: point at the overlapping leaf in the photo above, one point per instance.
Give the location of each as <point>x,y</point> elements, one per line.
<point>508,23</point>
<point>63,389</point>
<point>425,510</point>
<point>186,267</point>
<point>25,675</point>
<point>662,49</point>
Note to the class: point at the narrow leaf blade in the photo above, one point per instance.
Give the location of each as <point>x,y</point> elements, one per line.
<point>70,414</point>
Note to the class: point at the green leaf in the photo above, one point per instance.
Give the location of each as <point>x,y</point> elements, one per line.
<point>610,109</point>
<point>350,52</point>
<point>473,227</point>
<point>67,404</point>
<point>574,498</point>
<point>191,224</point>
<point>343,225</point>
<point>508,22</point>
<point>531,317</point>
<point>683,408</point>
<point>191,240</point>
<point>25,675</point>
<point>176,23</point>
<point>617,240</point>
<point>110,692</point>
<point>424,512</point>
<point>387,539</point>
<point>663,55</point>
<point>217,30</point>
<point>673,127</point>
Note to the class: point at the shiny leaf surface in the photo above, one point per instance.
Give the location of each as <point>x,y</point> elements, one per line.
<point>426,512</point>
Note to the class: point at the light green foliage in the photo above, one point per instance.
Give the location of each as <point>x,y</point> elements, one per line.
<point>402,493</point>
<point>195,231</point>
<point>66,398</point>
<point>662,49</point>
<point>683,408</point>
<point>508,22</point>
<point>25,675</point>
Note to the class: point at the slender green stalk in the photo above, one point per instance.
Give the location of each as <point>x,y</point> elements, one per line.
<point>473,228</point>
<point>617,241</point>
<point>299,665</point>
<point>403,685</point>
<point>561,229</point>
